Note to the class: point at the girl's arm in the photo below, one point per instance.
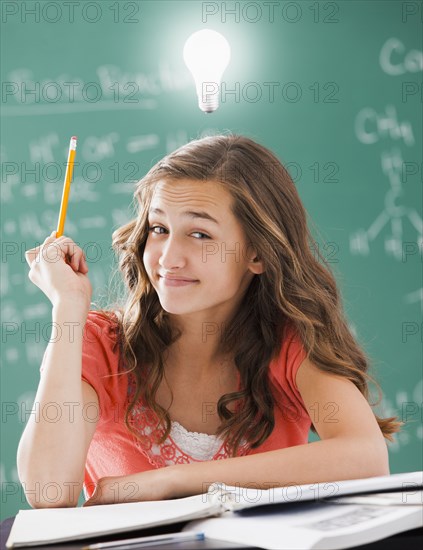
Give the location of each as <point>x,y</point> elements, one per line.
<point>352,446</point>
<point>53,447</point>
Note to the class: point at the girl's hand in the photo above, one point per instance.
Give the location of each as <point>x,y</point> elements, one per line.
<point>58,267</point>
<point>150,485</point>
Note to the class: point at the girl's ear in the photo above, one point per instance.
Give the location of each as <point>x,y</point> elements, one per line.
<point>256,266</point>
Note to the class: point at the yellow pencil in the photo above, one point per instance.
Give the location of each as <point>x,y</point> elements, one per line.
<point>66,187</point>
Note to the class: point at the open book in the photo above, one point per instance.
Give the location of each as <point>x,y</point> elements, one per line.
<point>230,510</point>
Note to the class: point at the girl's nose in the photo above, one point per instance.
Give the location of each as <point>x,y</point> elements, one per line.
<point>172,255</point>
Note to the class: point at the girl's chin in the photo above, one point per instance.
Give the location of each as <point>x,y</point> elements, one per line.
<point>176,310</point>
<point>172,304</point>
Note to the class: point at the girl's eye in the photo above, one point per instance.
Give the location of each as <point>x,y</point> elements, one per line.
<point>199,233</point>
<point>151,230</point>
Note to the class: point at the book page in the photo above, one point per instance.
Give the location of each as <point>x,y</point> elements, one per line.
<point>39,526</point>
<point>238,498</point>
<point>309,525</point>
<point>384,499</point>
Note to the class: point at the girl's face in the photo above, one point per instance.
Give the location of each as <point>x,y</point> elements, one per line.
<point>196,238</point>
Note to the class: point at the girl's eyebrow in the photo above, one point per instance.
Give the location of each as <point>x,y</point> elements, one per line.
<point>189,214</point>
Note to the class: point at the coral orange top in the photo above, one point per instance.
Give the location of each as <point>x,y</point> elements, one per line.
<point>115,451</point>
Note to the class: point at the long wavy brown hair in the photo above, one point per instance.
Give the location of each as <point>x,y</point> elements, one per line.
<point>296,288</point>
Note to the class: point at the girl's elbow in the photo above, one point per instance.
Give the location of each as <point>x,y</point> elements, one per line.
<point>39,503</point>
<point>49,494</point>
<point>384,466</point>
<point>378,459</point>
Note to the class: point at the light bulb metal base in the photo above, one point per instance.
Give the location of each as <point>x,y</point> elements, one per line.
<point>208,96</point>
<point>208,103</point>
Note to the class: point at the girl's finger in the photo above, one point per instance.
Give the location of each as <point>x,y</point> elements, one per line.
<point>35,250</point>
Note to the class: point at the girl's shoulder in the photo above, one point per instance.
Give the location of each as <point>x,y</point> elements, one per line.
<point>101,326</point>
<point>283,368</point>
<point>103,316</point>
<point>100,359</point>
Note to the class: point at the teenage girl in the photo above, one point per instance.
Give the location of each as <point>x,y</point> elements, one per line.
<point>230,344</point>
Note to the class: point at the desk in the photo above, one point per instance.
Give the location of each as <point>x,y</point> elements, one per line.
<point>402,541</point>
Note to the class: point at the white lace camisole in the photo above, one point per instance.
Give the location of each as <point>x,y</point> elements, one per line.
<point>200,446</point>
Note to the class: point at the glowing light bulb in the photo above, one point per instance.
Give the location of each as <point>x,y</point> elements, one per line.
<point>207,54</point>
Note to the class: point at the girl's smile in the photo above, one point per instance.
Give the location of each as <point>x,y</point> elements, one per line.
<point>177,282</point>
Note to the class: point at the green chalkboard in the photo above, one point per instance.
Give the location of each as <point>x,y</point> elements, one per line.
<point>334,88</point>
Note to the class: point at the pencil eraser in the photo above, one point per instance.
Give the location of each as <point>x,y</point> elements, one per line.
<point>74,137</point>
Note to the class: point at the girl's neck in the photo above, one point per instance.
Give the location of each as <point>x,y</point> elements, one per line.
<point>199,348</point>
<point>199,361</point>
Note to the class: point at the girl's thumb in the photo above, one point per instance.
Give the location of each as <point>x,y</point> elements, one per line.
<point>51,237</point>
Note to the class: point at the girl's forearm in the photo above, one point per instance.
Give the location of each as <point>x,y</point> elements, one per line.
<point>51,452</point>
<point>326,460</point>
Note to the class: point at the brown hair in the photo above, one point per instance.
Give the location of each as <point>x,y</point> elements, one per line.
<point>296,288</point>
